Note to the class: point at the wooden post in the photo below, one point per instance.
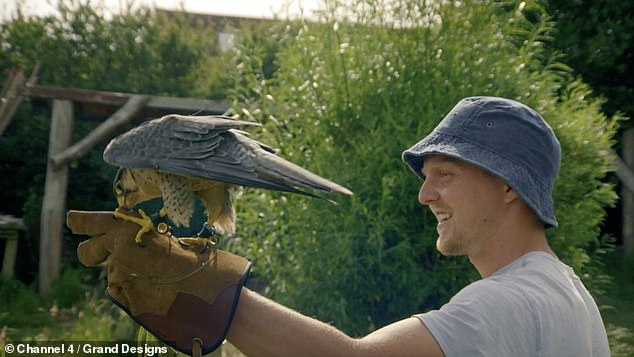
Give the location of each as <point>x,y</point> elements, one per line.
<point>627,194</point>
<point>53,205</point>
<point>10,253</point>
<point>9,232</point>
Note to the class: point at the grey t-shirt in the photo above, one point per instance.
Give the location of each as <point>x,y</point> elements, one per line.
<point>534,306</point>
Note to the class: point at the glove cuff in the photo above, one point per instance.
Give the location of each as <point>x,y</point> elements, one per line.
<point>190,317</point>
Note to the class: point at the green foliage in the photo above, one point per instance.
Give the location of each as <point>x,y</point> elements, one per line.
<point>137,51</point>
<point>616,304</point>
<point>67,289</point>
<point>94,318</point>
<point>71,303</point>
<point>348,97</point>
<point>598,40</point>
<point>24,316</point>
<point>16,299</point>
<point>72,311</point>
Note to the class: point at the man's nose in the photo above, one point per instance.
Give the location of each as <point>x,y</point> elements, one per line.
<point>427,194</point>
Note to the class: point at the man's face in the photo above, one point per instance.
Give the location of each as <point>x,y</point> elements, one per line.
<point>467,201</point>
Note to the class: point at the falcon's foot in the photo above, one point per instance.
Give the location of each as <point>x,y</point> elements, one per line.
<point>208,236</point>
<point>145,222</point>
<point>198,241</point>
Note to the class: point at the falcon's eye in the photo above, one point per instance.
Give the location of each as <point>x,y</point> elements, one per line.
<point>118,189</point>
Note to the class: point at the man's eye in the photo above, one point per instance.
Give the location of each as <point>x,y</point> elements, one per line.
<point>444,173</point>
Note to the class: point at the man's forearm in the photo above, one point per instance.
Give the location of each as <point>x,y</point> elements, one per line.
<point>262,327</point>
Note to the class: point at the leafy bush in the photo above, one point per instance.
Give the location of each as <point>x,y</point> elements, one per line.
<point>67,289</point>
<point>349,95</point>
<point>83,313</point>
<point>599,43</point>
<point>19,304</point>
<point>26,317</point>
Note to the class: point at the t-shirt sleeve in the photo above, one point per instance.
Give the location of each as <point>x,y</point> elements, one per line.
<point>483,319</point>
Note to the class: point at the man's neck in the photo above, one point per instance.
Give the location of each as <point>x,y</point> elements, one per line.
<point>505,248</point>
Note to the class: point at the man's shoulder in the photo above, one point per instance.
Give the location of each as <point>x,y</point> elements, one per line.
<point>530,277</point>
<point>494,294</point>
<point>537,301</point>
<point>487,317</point>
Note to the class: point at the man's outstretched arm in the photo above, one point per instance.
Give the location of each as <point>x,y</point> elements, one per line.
<point>262,327</point>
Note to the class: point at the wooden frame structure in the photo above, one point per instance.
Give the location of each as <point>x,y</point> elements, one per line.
<point>60,151</point>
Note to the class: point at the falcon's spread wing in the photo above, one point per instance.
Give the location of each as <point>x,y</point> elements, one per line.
<point>211,147</point>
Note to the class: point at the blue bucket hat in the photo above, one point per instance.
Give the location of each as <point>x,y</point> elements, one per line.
<point>503,137</point>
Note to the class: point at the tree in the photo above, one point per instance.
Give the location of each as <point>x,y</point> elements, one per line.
<point>598,41</point>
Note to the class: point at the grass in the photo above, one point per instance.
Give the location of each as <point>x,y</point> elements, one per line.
<point>93,318</point>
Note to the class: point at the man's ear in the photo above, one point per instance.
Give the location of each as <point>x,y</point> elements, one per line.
<point>510,194</point>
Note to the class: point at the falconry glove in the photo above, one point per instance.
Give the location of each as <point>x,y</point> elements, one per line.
<point>185,296</point>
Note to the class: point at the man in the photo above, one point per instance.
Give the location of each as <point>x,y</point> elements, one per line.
<point>489,169</point>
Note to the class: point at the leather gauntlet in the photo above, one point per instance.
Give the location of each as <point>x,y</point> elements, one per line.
<point>185,296</point>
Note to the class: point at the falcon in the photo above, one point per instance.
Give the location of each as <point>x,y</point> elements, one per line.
<point>183,158</point>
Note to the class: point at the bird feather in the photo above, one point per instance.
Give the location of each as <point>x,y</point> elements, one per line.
<point>208,147</point>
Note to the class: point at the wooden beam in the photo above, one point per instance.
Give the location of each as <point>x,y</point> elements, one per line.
<point>53,204</point>
<point>627,193</point>
<point>10,97</point>
<point>624,172</point>
<point>7,221</point>
<point>123,115</point>
<point>192,105</point>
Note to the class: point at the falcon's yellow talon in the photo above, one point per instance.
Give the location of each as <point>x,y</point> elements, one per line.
<point>194,241</point>
<point>199,242</point>
<point>145,222</point>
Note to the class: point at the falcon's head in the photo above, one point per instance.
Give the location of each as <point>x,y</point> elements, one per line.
<point>127,189</point>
